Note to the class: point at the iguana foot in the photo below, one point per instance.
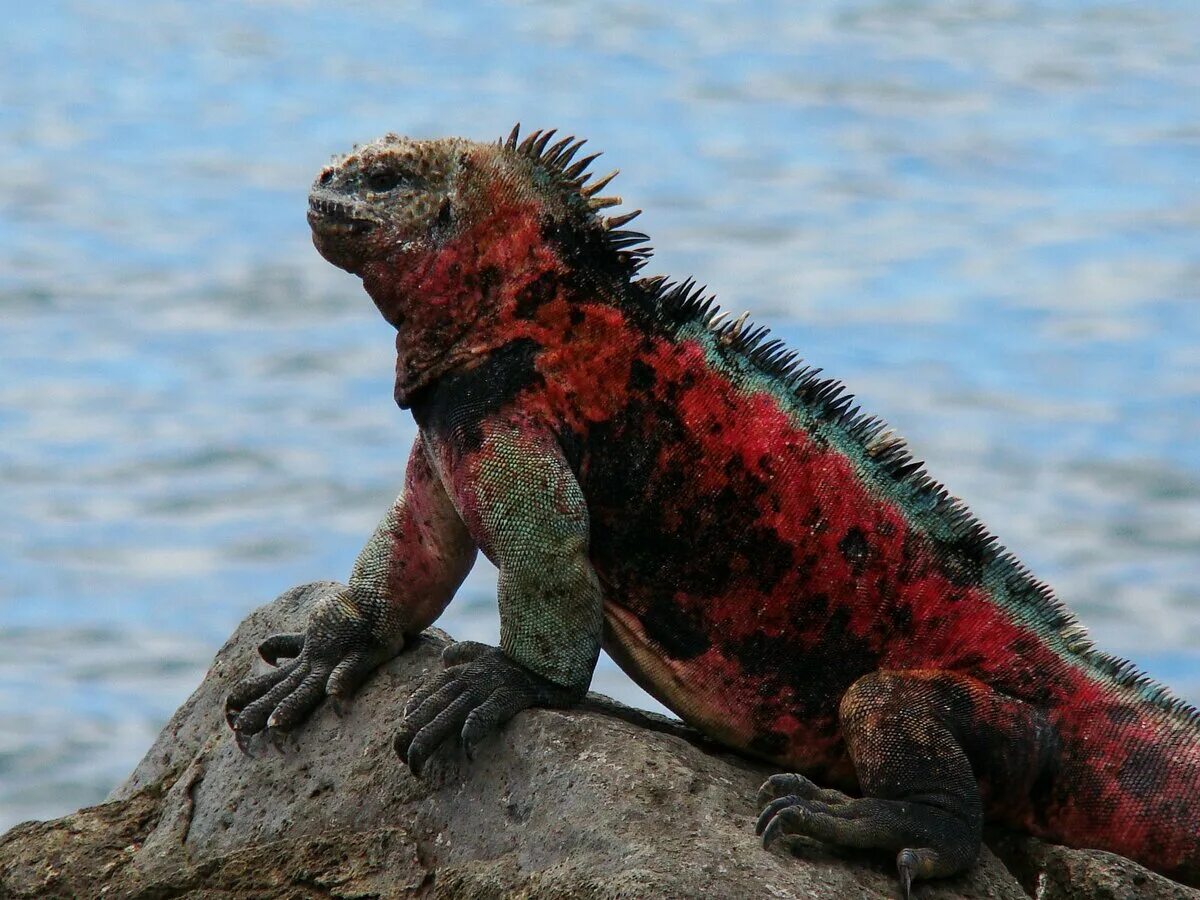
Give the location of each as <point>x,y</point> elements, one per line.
<point>331,658</point>
<point>834,818</point>
<point>907,733</point>
<point>480,689</point>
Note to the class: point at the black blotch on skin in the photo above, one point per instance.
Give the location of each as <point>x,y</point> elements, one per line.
<point>587,255</point>
<point>902,620</point>
<point>1121,715</point>
<point>638,475</point>
<point>854,549</point>
<point>1041,791</point>
<point>681,633</point>
<point>805,566</point>
<point>536,294</point>
<point>914,558</point>
<point>965,560</point>
<point>1024,646</point>
<point>773,558</point>
<point>1144,771</point>
<point>488,278</point>
<point>641,377</point>
<point>620,479</point>
<point>812,611</point>
<point>459,402</point>
<point>815,518</point>
<point>968,662</point>
<point>818,673</point>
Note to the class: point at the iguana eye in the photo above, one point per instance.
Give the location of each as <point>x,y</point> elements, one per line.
<point>384,180</point>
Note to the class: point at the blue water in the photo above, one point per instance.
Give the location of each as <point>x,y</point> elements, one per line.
<point>984,217</point>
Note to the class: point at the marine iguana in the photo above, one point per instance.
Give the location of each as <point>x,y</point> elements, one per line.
<point>654,478</point>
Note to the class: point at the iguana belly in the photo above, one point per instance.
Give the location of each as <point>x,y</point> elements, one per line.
<point>715,695</point>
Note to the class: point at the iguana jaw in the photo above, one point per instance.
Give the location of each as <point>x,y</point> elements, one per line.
<point>338,227</point>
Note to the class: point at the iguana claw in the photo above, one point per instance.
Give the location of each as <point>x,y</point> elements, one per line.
<point>279,646</point>
<point>243,742</point>
<point>277,738</point>
<point>768,814</point>
<point>906,862</point>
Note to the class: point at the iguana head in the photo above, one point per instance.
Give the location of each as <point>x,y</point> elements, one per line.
<point>393,196</point>
<point>449,235</point>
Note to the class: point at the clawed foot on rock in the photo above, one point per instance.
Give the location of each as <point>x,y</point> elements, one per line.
<point>331,658</point>
<point>479,690</point>
<point>793,805</point>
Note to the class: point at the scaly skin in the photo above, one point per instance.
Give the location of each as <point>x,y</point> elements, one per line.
<point>768,563</point>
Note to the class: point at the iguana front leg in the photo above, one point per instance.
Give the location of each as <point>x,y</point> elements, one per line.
<point>401,582</point>
<point>523,506</point>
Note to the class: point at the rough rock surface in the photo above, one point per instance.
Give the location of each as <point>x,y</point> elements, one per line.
<point>582,803</point>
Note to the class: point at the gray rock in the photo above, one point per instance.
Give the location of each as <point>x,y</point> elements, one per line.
<point>599,802</point>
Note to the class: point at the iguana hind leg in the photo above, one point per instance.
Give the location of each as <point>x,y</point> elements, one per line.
<point>921,742</point>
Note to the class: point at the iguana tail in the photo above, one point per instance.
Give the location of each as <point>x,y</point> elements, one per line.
<point>1128,781</point>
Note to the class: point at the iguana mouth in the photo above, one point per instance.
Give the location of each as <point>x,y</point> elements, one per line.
<point>333,216</point>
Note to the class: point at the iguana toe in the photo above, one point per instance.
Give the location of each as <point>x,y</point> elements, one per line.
<point>463,652</point>
<point>791,784</point>
<point>773,809</point>
<point>333,657</point>
<point>426,690</point>
<point>279,646</point>
<point>435,720</point>
<point>250,689</point>
<point>253,718</point>
<point>501,706</point>
<point>301,699</point>
<point>785,816</point>
<point>471,699</point>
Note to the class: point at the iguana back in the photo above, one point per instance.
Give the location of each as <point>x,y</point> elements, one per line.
<point>764,546</point>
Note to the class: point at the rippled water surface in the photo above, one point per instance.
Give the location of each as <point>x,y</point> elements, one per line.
<point>984,216</point>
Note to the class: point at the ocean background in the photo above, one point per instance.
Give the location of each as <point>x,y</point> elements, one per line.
<point>983,216</point>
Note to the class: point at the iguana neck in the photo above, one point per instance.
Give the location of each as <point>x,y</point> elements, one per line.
<point>456,302</point>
